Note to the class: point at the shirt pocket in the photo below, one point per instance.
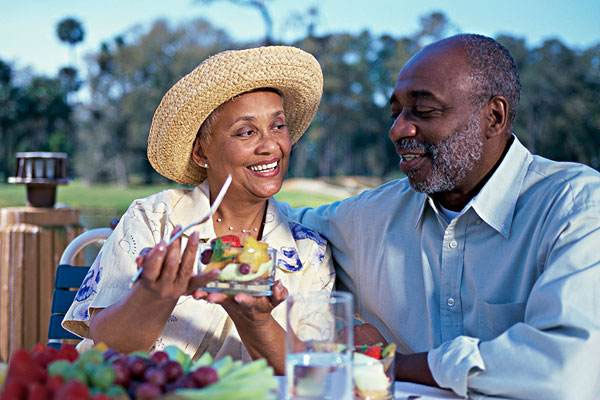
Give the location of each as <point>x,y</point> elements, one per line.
<point>494,319</point>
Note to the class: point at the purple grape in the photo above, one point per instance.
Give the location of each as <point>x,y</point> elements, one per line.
<point>159,356</point>
<point>137,366</point>
<point>205,256</point>
<point>155,376</point>
<point>148,391</point>
<point>244,269</point>
<point>122,374</point>
<point>205,376</point>
<point>172,370</point>
<point>109,354</point>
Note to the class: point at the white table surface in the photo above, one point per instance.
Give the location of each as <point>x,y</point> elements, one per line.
<point>402,391</point>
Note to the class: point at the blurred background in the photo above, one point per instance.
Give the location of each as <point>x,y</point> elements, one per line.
<point>85,78</point>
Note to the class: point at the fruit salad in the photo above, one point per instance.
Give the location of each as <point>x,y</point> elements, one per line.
<point>245,266</point>
<point>373,371</point>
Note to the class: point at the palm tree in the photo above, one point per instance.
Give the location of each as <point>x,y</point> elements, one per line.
<point>70,31</point>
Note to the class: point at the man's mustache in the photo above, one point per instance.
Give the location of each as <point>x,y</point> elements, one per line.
<point>414,145</point>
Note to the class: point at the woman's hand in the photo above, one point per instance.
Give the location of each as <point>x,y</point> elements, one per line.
<point>168,274</point>
<point>246,309</point>
<point>260,333</point>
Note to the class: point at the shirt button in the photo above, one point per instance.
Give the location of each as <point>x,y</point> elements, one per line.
<point>452,244</point>
<point>450,302</point>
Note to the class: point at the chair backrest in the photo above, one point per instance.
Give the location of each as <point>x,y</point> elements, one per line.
<point>84,239</point>
<point>67,282</point>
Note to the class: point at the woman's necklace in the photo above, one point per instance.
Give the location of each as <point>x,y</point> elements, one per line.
<point>243,230</point>
<point>254,226</point>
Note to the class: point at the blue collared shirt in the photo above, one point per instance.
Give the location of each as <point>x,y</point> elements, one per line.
<point>505,297</point>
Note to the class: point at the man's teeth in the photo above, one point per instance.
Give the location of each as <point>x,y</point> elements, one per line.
<point>264,167</point>
<point>409,157</point>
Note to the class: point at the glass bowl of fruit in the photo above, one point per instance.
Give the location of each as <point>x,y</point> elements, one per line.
<point>374,371</point>
<point>246,266</point>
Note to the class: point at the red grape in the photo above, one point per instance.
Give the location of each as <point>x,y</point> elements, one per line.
<point>155,376</point>
<point>137,366</point>
<point>205,376</point>
<point>159,357</point>
<point>244,269</point>
<point>148,391</point>
<point>172,370</point>
<point>205,256</point>
<point>122,374</point>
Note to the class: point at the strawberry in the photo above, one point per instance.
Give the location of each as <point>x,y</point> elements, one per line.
<point>73,390</point>
<point>67,352</point>
<point>36,391</point>
<point>23,368</point>
<point>54,383</point>
<point>231,240</point>
<point>374,351</point>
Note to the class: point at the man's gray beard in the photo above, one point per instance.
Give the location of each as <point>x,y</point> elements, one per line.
<point>452,159</point>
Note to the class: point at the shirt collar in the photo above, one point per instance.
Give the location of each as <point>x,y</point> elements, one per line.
<point>191,208</point>
<point>497,200</point>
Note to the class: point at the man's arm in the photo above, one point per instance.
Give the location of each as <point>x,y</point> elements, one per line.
<point>552,354</point>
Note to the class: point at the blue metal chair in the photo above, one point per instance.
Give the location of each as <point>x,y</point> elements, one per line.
<point>67,281</point>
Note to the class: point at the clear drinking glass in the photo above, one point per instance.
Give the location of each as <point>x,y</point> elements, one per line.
<point>236,278</point>
<point>319,346</point>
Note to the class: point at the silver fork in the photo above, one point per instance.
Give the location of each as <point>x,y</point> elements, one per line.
<point>202,220</point>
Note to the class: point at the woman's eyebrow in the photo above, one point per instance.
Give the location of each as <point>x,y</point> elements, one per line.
<point>253,117</point>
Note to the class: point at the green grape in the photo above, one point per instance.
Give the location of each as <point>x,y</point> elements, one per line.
<point>103,376</point>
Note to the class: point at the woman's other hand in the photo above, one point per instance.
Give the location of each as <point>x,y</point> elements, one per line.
<point>246,309</point>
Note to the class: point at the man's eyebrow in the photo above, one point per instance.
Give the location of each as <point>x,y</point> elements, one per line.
<point>416,94</point>
<point>422,93</point>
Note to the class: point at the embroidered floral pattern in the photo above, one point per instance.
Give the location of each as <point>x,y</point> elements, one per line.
<point>288,259</point>
<point>302,232</point>
<point>89,284</point>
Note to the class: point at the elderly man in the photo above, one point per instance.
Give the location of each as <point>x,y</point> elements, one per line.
<point>483,265</point>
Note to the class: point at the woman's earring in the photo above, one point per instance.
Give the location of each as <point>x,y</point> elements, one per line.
<point>205,165</point>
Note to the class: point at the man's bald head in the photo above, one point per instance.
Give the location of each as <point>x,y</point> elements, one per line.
<point>493,70</point>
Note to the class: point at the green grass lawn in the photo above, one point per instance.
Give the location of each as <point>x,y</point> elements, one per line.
<point>117,199</point>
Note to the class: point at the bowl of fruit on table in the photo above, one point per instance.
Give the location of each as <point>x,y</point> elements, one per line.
<point>374,372</point>
<point>101,374</point>
<point>246,265</point>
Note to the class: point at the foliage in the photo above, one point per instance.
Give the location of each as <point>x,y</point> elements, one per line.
<point>558,117</point>
<point>70,31</point>
<point>34,115</point>
<point>127,78</point>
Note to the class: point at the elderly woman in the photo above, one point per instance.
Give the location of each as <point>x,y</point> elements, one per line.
<point>238,113</point>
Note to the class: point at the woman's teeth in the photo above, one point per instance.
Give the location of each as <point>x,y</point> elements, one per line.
<point>264,167</point>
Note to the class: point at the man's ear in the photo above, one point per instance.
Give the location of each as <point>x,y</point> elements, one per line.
<point>496,116</point>
<point>198,153</point>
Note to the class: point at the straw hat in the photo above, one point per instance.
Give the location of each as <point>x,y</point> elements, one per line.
<point>294,72</point>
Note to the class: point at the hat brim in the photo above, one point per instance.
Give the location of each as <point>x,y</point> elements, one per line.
<point>293,72</point>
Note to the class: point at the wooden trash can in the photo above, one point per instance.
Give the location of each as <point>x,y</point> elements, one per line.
<point>31,243</point>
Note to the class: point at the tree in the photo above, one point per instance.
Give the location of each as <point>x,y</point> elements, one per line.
<point>127,78</point>
<point>70,31</point>
<point>34,116</point>
<point>263,10</point>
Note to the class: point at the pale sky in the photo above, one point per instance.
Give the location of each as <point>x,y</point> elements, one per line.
<point>28,38</point>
